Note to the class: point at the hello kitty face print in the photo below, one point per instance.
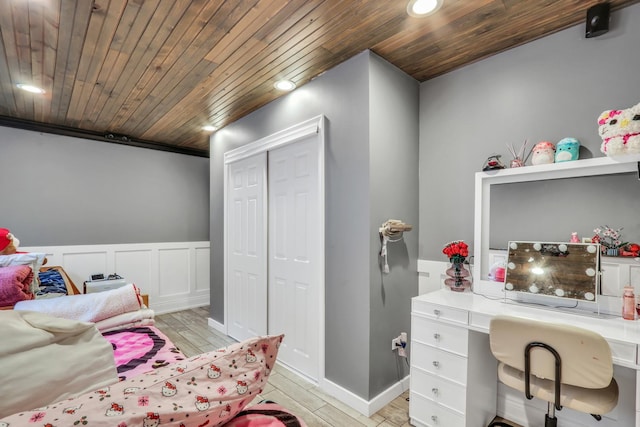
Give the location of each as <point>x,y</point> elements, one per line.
<point>213,372</point>
<point>202,403</point>
<point>71,409</point>
<point>225,411</point>
<point>130,390</point>
<point>242,387</point>
<point>620,131</point>
<point>151,420</point>
<point>114,409</point>
<point>251,357</point>
<point>169,389</point>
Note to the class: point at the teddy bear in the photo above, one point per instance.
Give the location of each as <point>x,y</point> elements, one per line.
<point>543,153</point>
<point>620,131</point>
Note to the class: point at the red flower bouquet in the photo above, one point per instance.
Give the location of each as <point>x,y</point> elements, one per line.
<point>457,251</point>
<point>459,277</point>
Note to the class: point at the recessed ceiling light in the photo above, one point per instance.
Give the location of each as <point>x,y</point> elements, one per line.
<point>285,85</point>
<point>420,8</point>
<point>30,88</point>
<point>209,128</point>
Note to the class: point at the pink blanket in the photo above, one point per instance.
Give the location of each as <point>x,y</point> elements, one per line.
<point>15,284</point>
<point>141,349</point>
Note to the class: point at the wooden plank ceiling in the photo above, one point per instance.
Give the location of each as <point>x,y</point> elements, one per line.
<point>158,70</point>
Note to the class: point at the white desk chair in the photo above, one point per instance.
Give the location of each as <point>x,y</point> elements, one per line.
<point>564,365</point>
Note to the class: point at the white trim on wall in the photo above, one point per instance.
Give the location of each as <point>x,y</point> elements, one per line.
<point>175,275</point>
<point>370,407</point>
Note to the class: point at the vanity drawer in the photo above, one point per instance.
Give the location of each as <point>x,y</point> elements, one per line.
<point>439,362</point>
<point>439,390</point>
<point>440,312</point>
<point>440,335</point>
<point>429,413</point>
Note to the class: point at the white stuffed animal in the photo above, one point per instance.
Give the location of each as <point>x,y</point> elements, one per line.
<point>620,131</point>
<point>543,153</point>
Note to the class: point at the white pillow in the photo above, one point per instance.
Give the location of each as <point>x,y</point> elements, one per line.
<point>32,259</point>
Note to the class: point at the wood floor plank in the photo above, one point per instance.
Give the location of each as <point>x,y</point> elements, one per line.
<point>336,417</point>
<point>311,419</point>
<point>304,397</point>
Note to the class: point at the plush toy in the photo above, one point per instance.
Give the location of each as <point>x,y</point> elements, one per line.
<point>8,242</point>
<point>543,153</point>
<point>492,163</point>
<point>567,149</point>
<point>620,131</point>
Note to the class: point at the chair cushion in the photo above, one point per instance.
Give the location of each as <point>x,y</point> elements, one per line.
<point>588,400</point>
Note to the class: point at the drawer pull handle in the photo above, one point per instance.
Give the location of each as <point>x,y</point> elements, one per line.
<point>436,336</point>
<point>434,418</point>
<point>436,312</point>
<point>436,363</point>
<point>434,391</point>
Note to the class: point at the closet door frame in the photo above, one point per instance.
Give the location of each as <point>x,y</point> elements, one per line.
<point>315,125</point>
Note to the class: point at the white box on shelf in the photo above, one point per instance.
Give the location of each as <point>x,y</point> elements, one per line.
<point>103,285</point>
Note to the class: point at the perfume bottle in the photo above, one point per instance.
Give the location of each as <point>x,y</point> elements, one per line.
<point>628,304</point>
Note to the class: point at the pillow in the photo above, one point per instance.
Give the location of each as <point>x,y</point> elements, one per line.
<point>32,259</point>
<point>45,359</point>
<point>208,389</point>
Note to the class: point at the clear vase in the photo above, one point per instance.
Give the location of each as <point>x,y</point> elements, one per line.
<point>459,279</point>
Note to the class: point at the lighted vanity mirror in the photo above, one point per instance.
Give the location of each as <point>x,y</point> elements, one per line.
<point>561,270</point>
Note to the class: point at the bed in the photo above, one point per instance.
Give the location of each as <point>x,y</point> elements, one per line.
<point>117,369</point>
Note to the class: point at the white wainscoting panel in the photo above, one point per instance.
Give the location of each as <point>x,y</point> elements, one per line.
<point>174,267</point>
<point>201,270</point>
<point>175,275</point>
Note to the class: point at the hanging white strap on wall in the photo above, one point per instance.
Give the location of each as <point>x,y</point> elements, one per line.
<point>391,231</point>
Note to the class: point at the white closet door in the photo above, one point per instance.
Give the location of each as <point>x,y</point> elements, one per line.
<point>246,248</point>
<point>294,258</point>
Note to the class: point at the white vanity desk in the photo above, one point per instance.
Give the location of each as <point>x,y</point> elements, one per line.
<point>453,373</point>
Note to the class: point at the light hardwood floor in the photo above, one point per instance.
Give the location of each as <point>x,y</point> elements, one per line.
<point>190,332</point>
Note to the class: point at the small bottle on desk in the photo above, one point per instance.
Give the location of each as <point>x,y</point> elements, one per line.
<point>628,304</point>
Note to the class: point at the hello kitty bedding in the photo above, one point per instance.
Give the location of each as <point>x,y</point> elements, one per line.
<point>140,349</point>
<point>204,390</point>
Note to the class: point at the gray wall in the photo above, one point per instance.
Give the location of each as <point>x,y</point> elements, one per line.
<point>58,190</point>
<point>342,95</point>
<point>393,177</point>
<point>546,90</point>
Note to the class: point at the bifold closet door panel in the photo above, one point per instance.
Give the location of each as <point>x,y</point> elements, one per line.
<point>246,215</point>
<point>294,254</point>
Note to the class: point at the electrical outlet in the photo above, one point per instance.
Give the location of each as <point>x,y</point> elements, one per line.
<point>402,350</point>
<point>400,343</point>
<point>396,343</point>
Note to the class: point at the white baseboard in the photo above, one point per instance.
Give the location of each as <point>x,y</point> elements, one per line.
<point>179,304</point>
<point>217,325</point>
<point>366,408</point>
